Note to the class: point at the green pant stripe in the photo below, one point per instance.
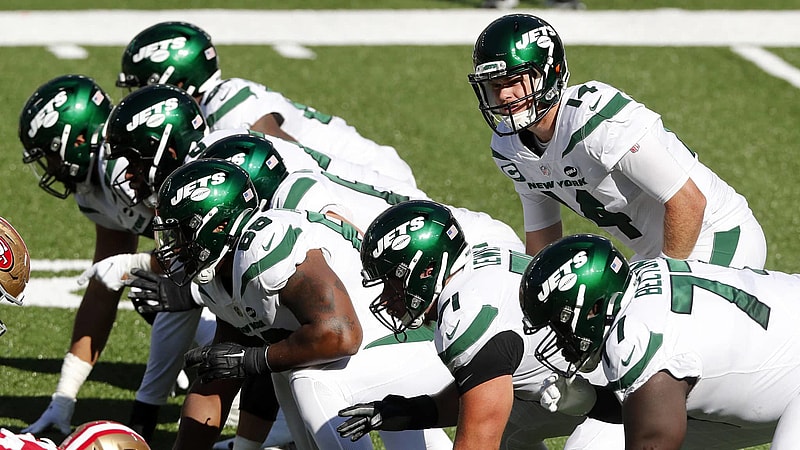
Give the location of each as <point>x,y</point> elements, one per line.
<point>725,243</point>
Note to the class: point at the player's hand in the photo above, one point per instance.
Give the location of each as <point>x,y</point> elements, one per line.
<point>572,396</point>
<point>152,293</point>
<point>363,418</point>
<point>228,360</point>
<point>113,270</point>
<point>58,415</point>
<point>393,413</point>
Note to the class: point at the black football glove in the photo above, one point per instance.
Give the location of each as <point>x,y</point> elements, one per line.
<point>227,360</point>
<point>152,293</point>
<point>393,413</point>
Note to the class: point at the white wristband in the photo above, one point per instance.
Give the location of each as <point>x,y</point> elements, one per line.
<point>74,372</point>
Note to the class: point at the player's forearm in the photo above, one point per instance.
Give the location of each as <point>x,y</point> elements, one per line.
<point>682,224</point>
<point>310,345</point>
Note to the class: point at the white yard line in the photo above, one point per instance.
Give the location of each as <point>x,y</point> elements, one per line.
<point>770,63</point>
<point>660,27</point>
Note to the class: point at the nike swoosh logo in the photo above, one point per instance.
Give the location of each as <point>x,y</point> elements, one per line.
<point>593,107</point>
<point>269,244</point>
<point>452,331</point>
<point>627,360</point>
<point>235,355</point>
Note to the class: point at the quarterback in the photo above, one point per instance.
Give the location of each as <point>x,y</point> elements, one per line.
<point>677,339</point>
<point>597,151</point>
<point>186,58</point>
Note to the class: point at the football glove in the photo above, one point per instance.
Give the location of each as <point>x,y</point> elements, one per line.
<point>152,293</point>
<point>572,396</point>
<point>393,413</point>
<point>113,270</point>
<point>228,360</point>
<point>58,415</point>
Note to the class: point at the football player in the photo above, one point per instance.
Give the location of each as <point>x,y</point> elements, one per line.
<point>61,132</point>
<point>60,128</point>
<point>321,191</point>
<point>597,151</point>
<point>284,286</point>
<point>418,252</point>
<point>15,266</point>
<point>182,54</point>
<point>676,339</point>
<point>155,130</point>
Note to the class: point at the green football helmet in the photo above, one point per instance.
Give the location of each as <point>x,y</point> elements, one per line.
<point>176,53</point>
<point>256,155</point>
<point>575,287</point>
<point>524,46</point>
<point>202,207</point>
<point>154,128</point>
<point>417,245</point>
<point>60,129</point>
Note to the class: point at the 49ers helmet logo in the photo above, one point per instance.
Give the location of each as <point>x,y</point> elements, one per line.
<point>6,255</point>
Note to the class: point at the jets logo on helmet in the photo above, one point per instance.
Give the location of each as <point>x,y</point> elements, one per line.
<point>48,116</point>
<point>159,51</point>
<point>398,238</point>
<point>198,190</point>
<point>153,116</point>
<point>564,278</point>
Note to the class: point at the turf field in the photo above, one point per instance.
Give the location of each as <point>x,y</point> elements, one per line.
<point>739,119</point>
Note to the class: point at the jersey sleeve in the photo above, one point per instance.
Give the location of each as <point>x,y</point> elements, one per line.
<point>235,103</point>
<point>651,165</point>
<point>612,121</point>
<point>539,211</point>
<point>270,259</point>
<point>634,353</point>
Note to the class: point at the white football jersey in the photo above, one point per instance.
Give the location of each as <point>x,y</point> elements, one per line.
<point>734,330</point>
<point>597,125</point>
<point>237,103</point>
<point>298,157</point>
<point>273,243</point>
<point>105,206</point>
<point>361,203</point>
<point>481,302</point>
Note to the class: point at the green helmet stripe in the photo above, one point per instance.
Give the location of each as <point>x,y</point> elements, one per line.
<point>476,329</point>
<point>231,103</point>
<point>278,254</point>
<point>297,192</point>
<point>609,110</point>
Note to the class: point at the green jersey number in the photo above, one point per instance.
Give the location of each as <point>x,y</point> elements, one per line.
<point>683,292</point>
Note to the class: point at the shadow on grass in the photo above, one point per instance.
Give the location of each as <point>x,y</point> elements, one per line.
<point>121,375</point>
<point>28,409</point>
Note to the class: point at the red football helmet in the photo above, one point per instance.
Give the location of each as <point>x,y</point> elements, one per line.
<point>103,435</point>
<point>15,265</point>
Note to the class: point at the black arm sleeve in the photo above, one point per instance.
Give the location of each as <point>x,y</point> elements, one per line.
<point>258,397</point>
<point>607,408</point>
<point>500,356</point>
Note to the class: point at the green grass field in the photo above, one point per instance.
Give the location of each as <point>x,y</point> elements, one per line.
<point>741,121</point>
